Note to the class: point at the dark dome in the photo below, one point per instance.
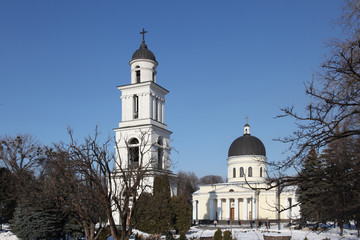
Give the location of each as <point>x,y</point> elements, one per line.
<point>247,145</point>
<point>143,53</point>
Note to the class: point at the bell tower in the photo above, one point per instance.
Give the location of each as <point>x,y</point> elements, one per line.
<point>142,137</point>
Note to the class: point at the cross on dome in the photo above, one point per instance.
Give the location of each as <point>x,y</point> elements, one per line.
<point>246,127</point>
<point>143,33</point>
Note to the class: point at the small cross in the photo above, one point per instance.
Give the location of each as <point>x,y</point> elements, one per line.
<point>246,120</point>
<point>143,33</point>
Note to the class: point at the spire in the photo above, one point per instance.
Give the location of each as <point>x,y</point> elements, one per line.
<point>246,127</point>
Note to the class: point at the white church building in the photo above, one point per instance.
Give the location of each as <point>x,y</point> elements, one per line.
<point>246,196</point>
<point>142,137</point>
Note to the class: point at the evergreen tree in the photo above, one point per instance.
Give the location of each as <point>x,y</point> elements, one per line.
<point>181,213</point>
<point>227,235</point>
<point>161,204</point>
<point>30,223</point>
<point>143,215</point>
<point>341,196</point>
<point>153,213</point>
<point>218,234</point>
<point>6,200</point>
<point>311,188</point>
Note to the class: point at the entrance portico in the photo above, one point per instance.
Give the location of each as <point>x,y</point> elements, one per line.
<point>231,208</point>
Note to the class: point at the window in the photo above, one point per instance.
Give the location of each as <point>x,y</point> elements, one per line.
<point>261,174</point>
<point>160,154</point>
<point>241,172</point>
<point>133,152</point>
<point>234,172</point>
<point>136,106</point>
<point>156,110</point>
<point>250,171</point>
<point>137,79</point>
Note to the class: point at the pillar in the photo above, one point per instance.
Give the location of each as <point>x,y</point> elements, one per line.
<point>212,209</point>
<point>236,209</point>
<point>255,208</point>
<point>219,209</point>
<point>195,210</point>
<point>245,209</point>
<point>227,208</point>
<point>163,112</point>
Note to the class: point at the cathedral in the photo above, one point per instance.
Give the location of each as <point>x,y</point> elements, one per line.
<point>143,141</point>
<point>246,196</point>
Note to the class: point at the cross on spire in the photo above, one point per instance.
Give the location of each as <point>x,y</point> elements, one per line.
<point>246,120</point>
<point>143,33</point>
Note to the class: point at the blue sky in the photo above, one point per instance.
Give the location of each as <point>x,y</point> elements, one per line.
<point>60,63</point>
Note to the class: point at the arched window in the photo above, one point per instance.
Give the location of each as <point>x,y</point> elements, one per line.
<point>234,172</point>
<point>160,153</point>
<point>250,171</point>
<point>133,152</point>
<point>261,172</point>
<point>136,106</point>
<point>241,172</point>
<point>137,71</point>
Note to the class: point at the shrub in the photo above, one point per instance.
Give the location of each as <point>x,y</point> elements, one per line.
<point>227,235</point>
<point>218,234</point>
<point>182,236</point>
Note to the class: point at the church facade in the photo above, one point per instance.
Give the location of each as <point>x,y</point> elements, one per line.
<point>246,196</point>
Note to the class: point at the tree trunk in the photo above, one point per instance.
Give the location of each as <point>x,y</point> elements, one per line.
<point>86,230</point>
<point>113,230</point>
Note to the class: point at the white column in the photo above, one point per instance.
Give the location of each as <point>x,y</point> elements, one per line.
<point>245,209</point>
<point>255,208</point>
<point>212,209</point>
<point>219,210</point>
<point>227,209</point>
<point>163,112</point>
<point>236,209</point>
<point>154,107</point>
<point>195,210</point>
<point>150,106</point>
<point>159,111</point>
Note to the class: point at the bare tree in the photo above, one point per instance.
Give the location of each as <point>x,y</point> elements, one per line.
<point>73,193</point>
<point>334,94</point>
<point>211,179</point>
<point>20,153</point>
<point>118,182</point>
<point>188,183</point>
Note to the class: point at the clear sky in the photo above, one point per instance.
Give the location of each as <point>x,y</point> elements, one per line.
<point>61,60</point>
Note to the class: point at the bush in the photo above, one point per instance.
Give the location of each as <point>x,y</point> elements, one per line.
<point>227,235</point>
<point>182,236</point>
<point>218,234</point>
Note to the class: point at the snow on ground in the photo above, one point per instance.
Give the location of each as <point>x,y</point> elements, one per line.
<point>249,234</point>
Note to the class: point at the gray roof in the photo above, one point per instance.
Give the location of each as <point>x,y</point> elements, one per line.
<point>143,53</point>
<point>247,145</point>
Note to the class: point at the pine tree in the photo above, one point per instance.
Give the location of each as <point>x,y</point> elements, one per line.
<point>161,204</point>
<point>153,213</point>
<point>143,216</point>
<point>181,213</point>
<point>342,191</point>
<point>30,223</point>
<point>311,188</point>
